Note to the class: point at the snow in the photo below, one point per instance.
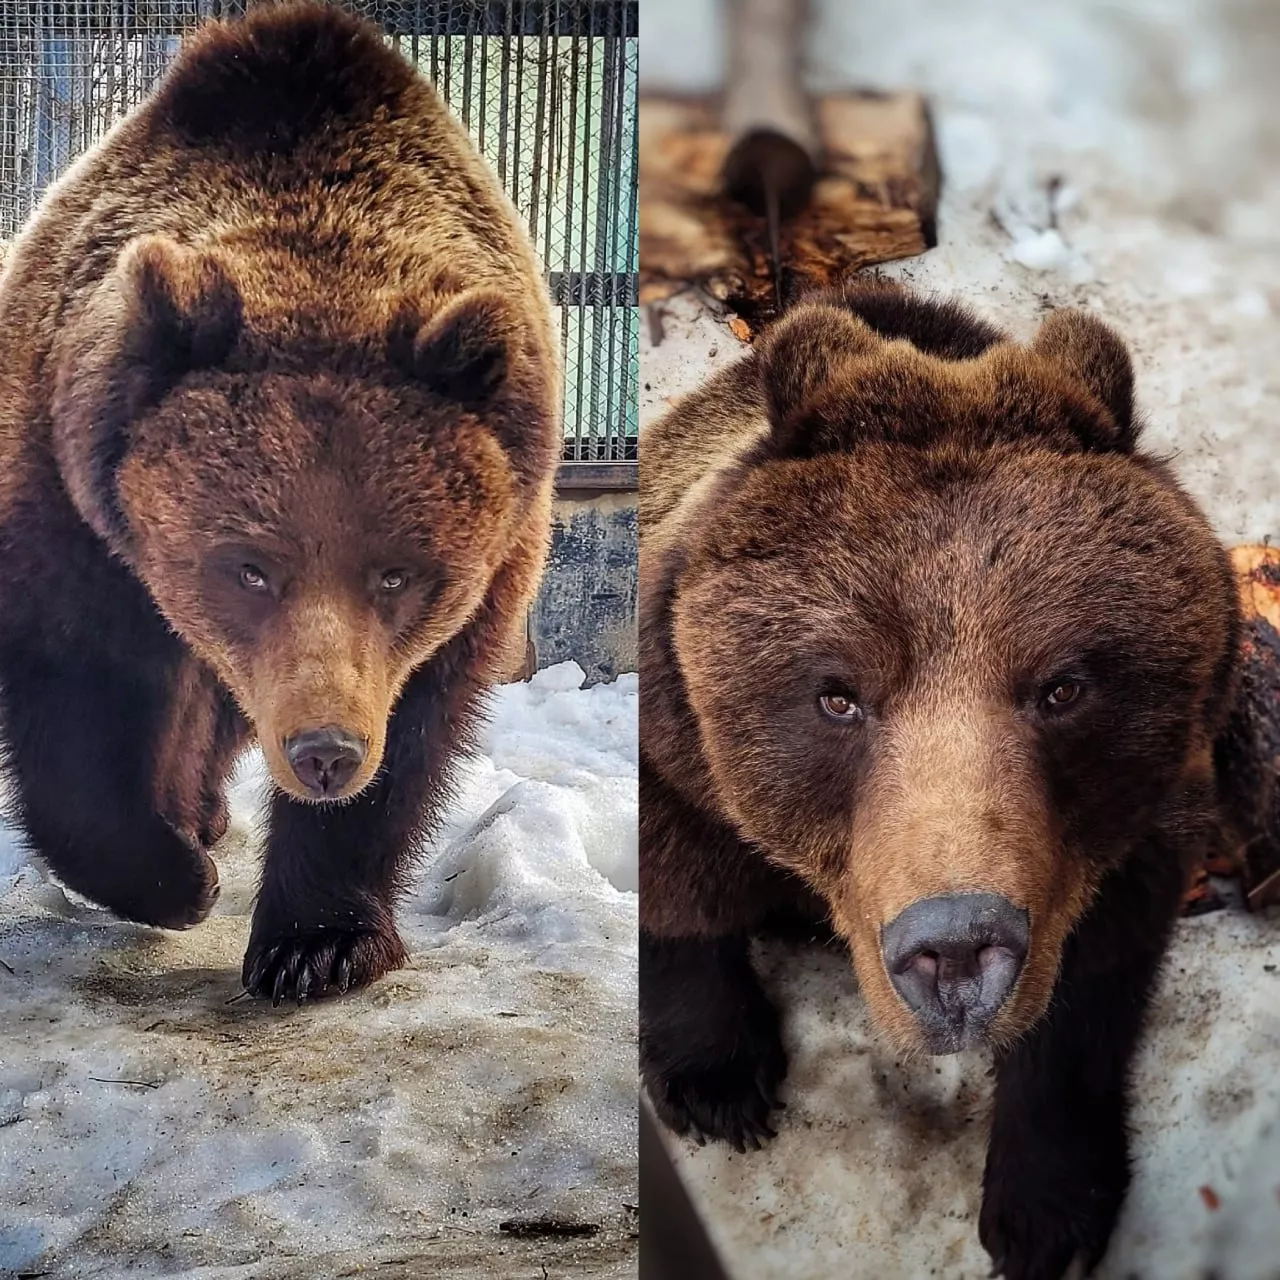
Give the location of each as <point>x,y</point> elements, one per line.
<point>1040,250</point>
<point>1123,158</point>
<point>147,1114</point>
<point>880,1160</point>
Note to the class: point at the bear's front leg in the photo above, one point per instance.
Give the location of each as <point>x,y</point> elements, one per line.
<point>324,921</point>
<point>325,916</point>
<point>711,1053</point>
<point>1058,1161</point>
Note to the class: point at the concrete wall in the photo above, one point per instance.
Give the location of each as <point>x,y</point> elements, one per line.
<point>586,610</point>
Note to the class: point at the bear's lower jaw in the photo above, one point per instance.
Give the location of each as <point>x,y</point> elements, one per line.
<point>285,781</point>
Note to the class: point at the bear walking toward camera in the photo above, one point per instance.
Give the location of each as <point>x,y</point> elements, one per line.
<point>279,419</point>
<point>933,652</point>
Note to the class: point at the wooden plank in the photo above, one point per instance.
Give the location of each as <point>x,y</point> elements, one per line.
<point>875,202</point>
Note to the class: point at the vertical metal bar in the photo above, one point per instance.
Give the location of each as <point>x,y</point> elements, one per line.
<point>631,311</point>
<point>435,42</point>
<point>519,121</point>
<point>539,143</point>
<point>570,221</point>
<point>617,408</point>
<point>484,86</point>
<point>604,224</point>
<point>555,138</point>
<point>589,188</point>
<point>448,66</point>
<point>504,100</point>
<point>468,55</point>
<point>124,59</point>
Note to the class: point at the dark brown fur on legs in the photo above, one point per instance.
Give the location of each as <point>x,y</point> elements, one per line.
<point>923,631</point>
<point>279,419</point>
<point>710,1049</point>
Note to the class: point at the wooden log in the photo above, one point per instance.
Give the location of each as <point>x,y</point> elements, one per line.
<point>1252,750</point>
<point>875,201</point>
<point>1249,755</point>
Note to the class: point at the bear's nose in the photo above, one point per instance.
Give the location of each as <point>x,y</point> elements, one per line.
<point>954,959</point>
<point>325,760</point>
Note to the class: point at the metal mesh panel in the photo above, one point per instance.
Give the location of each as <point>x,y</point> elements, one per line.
<point>547,88</point>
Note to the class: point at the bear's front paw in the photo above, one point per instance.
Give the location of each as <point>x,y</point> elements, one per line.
<point>724,1090</point>
<point>1046,1206</point>
<point>323,962</point>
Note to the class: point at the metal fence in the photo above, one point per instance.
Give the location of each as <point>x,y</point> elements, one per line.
<point>547,88</point>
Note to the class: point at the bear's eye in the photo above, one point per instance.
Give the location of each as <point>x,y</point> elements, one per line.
<point>1062,693</point>
<point>840,706</point>
<point>393,580</point>
<point>252,578</point>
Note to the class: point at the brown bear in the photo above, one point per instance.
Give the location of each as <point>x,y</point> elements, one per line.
<point>934,654</point>
<point>279,420</point>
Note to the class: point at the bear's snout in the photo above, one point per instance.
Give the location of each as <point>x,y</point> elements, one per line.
<point>954,959</point>
<point>325,760</point>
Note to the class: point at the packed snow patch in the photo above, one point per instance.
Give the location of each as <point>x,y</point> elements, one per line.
<point>878,1160</point>
<point>473,1114</point>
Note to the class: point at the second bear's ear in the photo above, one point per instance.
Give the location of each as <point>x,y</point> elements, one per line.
<point>801,356</point>
<point>464,352</point>
<point>1095,357</point>
<point>163,311</point>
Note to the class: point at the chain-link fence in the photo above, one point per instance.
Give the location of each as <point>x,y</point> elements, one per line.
<point>547,88</point>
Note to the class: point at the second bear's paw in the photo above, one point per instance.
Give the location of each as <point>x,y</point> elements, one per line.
<point>323,962</point>
<point>728,1096</point>
<point>1044,1209</point>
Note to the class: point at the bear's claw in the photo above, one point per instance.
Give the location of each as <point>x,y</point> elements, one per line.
<point>730,1100</point>
<point>324,963</point>
<point>1035,1227</point>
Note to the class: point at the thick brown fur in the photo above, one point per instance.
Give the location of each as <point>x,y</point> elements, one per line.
<point>279,418</point>
<point>891,500</point>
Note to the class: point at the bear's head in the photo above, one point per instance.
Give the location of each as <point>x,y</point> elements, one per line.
<point>954,649</point>
<point>315,514</point>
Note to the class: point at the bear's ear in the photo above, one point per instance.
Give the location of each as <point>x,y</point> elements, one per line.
<point>1096,357</point>
<point>464,352</point>
<point>162,312</point>
<point>183,311</point>
<point>802,354</point>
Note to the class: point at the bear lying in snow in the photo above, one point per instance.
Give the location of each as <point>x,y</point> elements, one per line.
<point>932,652</point>
<point>279,420</point>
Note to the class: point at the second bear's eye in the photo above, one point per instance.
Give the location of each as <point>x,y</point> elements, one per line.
<point>840,706</point>
<point>1062,693</point>
<point>393,580</point>
<point>252,578</point>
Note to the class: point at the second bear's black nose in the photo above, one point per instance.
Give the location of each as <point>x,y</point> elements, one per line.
<point>324,760</point>
<point>954,960</point>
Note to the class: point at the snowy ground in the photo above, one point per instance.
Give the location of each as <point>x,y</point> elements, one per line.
<point>1124,158</point>
<point>151,1123</point>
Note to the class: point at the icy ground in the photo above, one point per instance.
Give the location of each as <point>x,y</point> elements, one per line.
<point>151,1124</point>
<point>1126,158</point>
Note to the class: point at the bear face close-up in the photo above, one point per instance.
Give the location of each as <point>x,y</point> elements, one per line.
<point>935,655</point>
<point>278,432</point>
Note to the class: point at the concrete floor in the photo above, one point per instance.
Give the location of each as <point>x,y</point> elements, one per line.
<point>1153,123</point>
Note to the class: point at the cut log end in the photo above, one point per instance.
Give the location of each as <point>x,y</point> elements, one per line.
<point>874,201</point>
